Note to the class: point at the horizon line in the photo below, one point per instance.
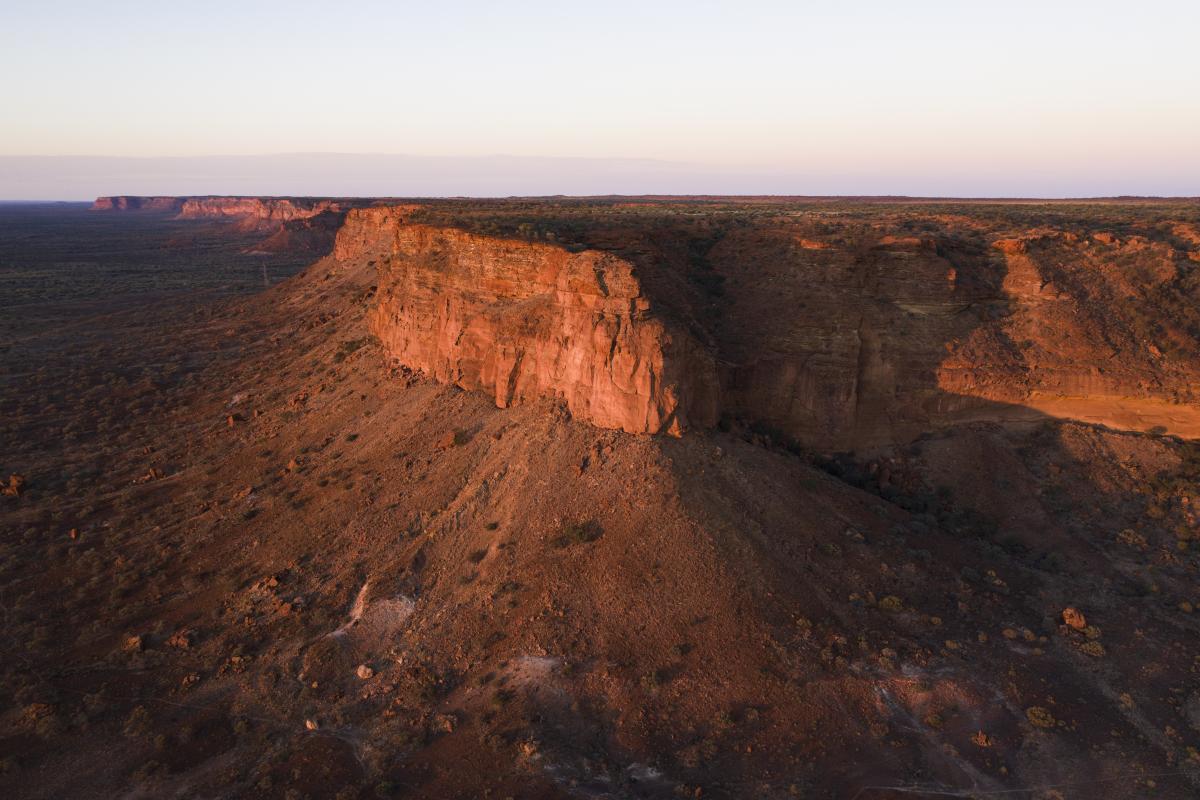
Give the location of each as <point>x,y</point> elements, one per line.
<point>339,174</point>
<point>664,197</point>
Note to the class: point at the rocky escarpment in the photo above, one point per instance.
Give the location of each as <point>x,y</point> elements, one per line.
<point>258,212</point>
<point>289,225</point>
<point>519,320</point>
<point>837,342</point>
<point>1098,327</point>
<point>265,213</point>
<point>837,336</point>
<point>135,203</point>
<point>853,337</point>
<point>835,331</point>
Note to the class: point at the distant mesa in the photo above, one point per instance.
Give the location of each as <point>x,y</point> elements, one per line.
<point>266,211</point>
<point>838,338</point>
<point>289,224</point>
<point>257,210</point>
<point>133,203</point>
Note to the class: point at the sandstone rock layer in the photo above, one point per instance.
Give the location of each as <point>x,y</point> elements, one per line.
<point>520,320</point>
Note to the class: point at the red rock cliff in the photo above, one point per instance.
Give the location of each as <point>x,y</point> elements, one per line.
<point>256,211</point>
<point>848,339</point>
<point>520,320</point>
<point>134,203</point>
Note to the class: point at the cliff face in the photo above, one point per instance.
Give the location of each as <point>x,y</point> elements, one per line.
<point>847,343</point>
<point>256,211</point>
<point>519,320</point>
<point>289,225</point>
<point>1106,327</point>
<point>249,212</point>
<point>133,203</point>
<point>839,339</point>
<point>837,343</point>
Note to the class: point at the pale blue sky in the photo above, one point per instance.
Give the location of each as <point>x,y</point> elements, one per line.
<point>921,97</point>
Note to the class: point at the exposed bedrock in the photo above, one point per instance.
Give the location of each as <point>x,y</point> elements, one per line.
<point>519,320</point>
<point>257,211</point>
<point>849,344</point>
<point>250,210</point>
<point>135,203</point>
<point>831,343</point>
<point>251,213</point>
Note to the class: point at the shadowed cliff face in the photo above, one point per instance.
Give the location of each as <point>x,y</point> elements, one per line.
<point>837,335</point>
<point>838,340</point>
<point>249,211</point>
<point>869,331</point>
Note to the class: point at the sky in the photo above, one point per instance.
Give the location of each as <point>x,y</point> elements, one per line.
<point>925,97</point>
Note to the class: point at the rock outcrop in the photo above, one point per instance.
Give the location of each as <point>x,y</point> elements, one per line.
<point>837,343</point>
<point>520,320</point>
<point>257,212</point>
<point>844,339</point>
<point>135,203</point>
<point>290,225</point>
<point>879,337</point>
